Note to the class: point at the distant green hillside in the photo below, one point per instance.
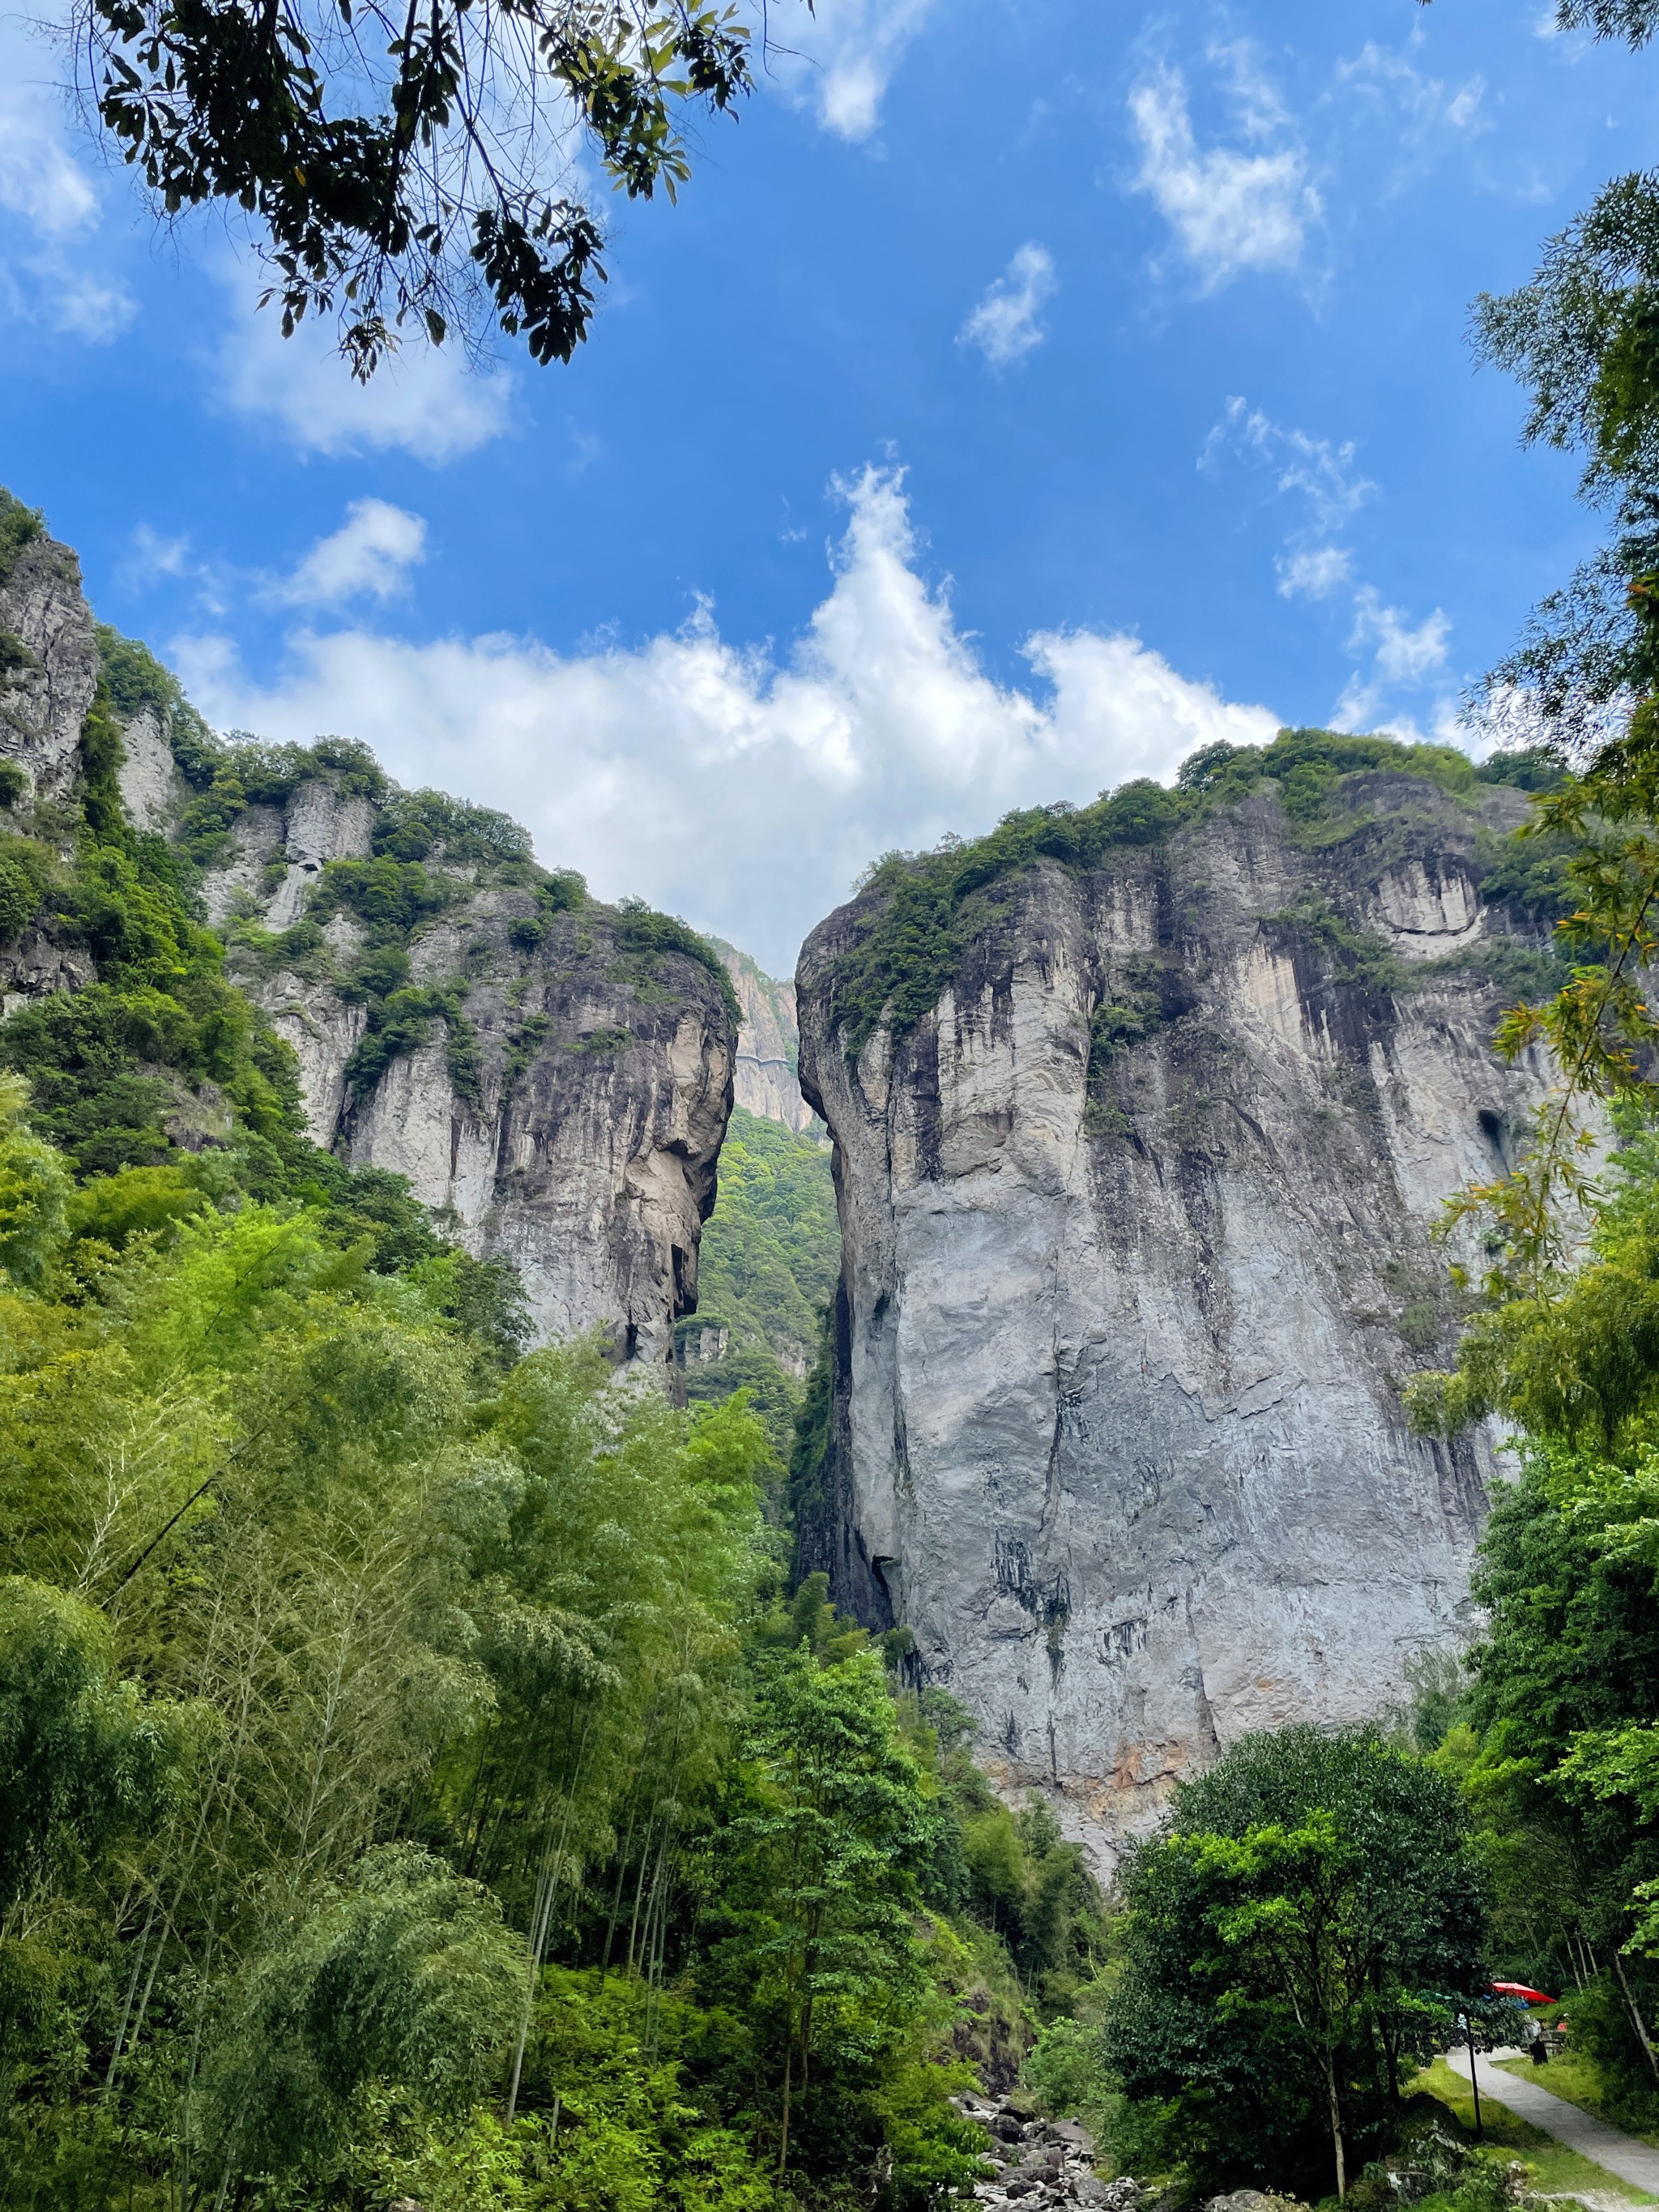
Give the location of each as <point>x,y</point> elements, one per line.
<point>770,1254</point>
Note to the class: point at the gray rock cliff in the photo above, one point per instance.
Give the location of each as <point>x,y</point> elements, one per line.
<point>48,661</point>
<point>767,1077</point>
<point>552,1075</point>
<point>568,1119</point>
<point>1136,1250</point>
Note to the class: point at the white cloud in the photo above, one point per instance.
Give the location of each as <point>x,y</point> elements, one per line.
<point>369,557</point>
<point>742,789</point>
<point>1314,572</point>
<point>1321,476</point>
<point>1404,655</point>
<point>1424,105</point>
<point>846,57</point>
<point>1005,326</point>
<point>53,266</point>
<point>150,555</point>
<point>1316,470</point>
<point>1404,658</point>
<point>1230,210</point>
<point>424,400</point>
<point>1256,103</point>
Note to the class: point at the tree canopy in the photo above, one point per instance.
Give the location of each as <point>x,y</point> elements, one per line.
<point>1295,1931</point>
<point>420,171</point>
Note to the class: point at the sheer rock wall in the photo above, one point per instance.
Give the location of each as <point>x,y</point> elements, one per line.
<point>1117,1430</point>
<point>585,1150</point>
<point>48,665</point>
<point>768,1080</point>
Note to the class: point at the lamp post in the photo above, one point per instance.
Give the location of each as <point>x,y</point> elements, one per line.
<point>1468,2026</point>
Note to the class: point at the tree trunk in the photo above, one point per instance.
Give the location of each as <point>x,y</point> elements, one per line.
<point>783,2144</point>
<point>1336,2127</point>
<point>1640,2024</point>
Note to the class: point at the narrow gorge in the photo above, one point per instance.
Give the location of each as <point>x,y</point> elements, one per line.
<point>1143,1116</point>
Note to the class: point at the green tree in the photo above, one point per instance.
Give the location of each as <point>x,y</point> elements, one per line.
<point>1294,1930</point>
<point>80,1758</point>
<point>1555,1745</point>
<point>401,1974</point>
<point>413,172</point>
<point>34,1188</point>
<point>819,1875</point>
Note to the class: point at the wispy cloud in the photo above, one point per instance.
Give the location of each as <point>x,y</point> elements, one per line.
<point>1322,479</point>
<point>1314,572</point>
<point>845,58</point>
<point>683,768</point>
<point>54,268</point>
<point>1230,208</point>
<point>149,555</point>
<point>1319,474</point>
<point>1005,326</point>
<point>1404,655</point>
<point>1424,104</point>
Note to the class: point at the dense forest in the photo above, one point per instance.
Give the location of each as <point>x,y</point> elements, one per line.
<point>425,1779</point>
<point>421,1775</point>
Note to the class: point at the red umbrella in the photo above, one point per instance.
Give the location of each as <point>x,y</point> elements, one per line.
<point>1519,1990</point>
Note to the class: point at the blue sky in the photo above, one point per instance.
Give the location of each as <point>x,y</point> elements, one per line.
<point>1017,397</point>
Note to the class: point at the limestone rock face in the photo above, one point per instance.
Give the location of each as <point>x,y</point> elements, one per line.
<point>153,792</point>
<point>1121,1319</point>
<point>569,1120</point>
<point>48,665</point>
<point>767,1079</point>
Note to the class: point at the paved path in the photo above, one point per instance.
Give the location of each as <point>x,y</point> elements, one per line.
<point>1633,2161</point>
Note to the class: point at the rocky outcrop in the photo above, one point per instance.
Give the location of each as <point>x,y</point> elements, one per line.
<point>552,1076</point>
<point>152,792</point>
<point>1136,1251</point>
<point>768,1080</point>
<point>48,659</point>
<point>568,1118</point>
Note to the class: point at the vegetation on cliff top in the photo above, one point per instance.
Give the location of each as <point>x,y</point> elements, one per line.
<point>921,911</point>
<point>119,1075</point>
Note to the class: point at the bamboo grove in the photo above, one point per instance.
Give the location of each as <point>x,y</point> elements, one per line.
<point>417,1782</point>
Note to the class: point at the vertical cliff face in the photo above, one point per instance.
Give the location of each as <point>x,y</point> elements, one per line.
<point>1136,1249</point>
<point>552,1075</point>
<point>48,675</point>
<point>48,656</point>
<point>768,1079</point>
<point>560,1085</point>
